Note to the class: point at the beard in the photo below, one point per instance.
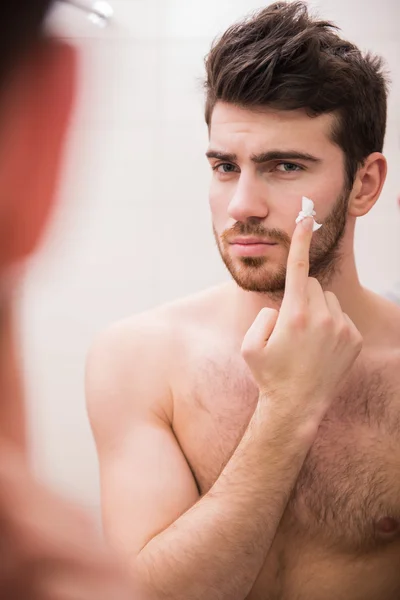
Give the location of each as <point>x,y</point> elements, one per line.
<point>257,274</point>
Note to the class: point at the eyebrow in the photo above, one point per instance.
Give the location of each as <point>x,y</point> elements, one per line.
<point>264,157</point>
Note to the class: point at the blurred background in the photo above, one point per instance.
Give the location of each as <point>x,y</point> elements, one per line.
<point>133,228</point>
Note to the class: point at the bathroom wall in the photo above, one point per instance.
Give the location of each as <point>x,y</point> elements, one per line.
<point>133,228</point>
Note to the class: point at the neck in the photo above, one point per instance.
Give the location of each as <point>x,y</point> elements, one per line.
<point>354,299</point>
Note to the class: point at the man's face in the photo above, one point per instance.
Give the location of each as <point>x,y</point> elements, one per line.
<point>263,163</point>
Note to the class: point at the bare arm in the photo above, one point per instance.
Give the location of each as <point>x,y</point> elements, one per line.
<point>180,545</point>
<point>183,547</point>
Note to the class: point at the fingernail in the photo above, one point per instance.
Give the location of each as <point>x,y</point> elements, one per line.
<point>307,223</point>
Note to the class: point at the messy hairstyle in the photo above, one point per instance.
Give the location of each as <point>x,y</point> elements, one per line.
<point>283,58</point>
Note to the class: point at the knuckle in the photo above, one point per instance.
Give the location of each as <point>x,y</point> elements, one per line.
<point>351,335</point>
<point>326,323</point>
<point>358,341</point>
<point>298,320</point>
<point>344,331</point>
<point>250,352</point>
<point>300,264</point>
<point>247,349</point>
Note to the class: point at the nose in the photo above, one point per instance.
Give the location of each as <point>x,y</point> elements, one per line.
<point>249,200</point>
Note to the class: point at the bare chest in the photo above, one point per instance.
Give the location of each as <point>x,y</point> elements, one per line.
<point>348,491</point>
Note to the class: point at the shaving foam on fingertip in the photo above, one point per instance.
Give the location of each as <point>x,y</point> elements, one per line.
<point>307,210</point>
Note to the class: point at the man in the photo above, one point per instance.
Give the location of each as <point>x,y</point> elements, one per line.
<point>247,448</point>
<point>48,549</point>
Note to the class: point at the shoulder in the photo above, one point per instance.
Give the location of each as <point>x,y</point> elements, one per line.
<point>383,348</point>
<point>388,315</point>
<point>156,332</point>
<point>130,364</point>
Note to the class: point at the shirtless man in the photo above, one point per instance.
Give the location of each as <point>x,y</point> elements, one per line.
<point>248,447</point>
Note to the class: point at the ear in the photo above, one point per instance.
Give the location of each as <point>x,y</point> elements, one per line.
<point>368,185</point>
<point>34,113</point>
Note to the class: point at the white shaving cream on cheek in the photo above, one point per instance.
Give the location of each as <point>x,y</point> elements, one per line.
<point>307,210</point>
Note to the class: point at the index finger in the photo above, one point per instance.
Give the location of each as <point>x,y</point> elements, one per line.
<point>298,265</point>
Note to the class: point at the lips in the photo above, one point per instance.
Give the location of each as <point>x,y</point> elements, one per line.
<point>252,242</point>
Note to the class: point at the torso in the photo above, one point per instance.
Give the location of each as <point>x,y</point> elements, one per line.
<point>339,538</point>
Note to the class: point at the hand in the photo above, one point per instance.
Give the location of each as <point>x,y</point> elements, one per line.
<point>302,353</point>
<point>49,550</point>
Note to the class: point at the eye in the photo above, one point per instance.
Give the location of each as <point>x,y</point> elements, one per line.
<point>225,168</point>
<point>286,167</point>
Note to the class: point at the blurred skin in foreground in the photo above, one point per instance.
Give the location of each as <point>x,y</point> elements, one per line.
<point>49,549</point>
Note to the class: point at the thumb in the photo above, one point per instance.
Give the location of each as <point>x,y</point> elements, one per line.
<point>259,333</point>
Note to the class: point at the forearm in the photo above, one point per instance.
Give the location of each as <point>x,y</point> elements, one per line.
<point>217,548</point>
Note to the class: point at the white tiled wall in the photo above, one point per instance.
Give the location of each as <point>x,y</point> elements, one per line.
<point>133,228</point>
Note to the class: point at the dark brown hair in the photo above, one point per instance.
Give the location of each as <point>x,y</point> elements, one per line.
<point>21,23</point>
<point>281,57</point>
